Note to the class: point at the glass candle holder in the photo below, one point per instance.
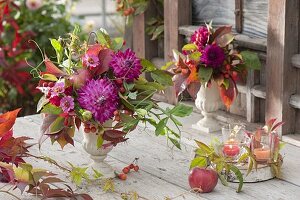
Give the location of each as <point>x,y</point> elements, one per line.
<point>232,136</point>
<point>261,145</point>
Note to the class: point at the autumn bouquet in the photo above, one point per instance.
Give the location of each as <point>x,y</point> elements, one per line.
<point>101,86</point>
<point>209,57</point>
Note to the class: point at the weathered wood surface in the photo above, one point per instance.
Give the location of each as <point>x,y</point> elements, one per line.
<point>281,78</point>
<point>255,14</point>
<point>164,170</point>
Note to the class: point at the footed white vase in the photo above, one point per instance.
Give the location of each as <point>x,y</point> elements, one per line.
<point>208,101</point>
<point>98,156</point>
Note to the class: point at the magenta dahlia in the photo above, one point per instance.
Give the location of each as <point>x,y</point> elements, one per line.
<point>100,97</point>
<point>57,89</point>
<point>126,65</point>
<point>213,56</point>
<point>200,37</point>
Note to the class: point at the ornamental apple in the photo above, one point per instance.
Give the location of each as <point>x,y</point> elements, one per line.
<point>203,180</point>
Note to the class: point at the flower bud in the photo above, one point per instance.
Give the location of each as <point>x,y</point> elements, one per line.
<point>87,115</point>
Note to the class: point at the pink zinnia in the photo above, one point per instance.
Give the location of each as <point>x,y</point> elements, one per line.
<point>91,60</point>
<point>57,89</point>
<point>100,97</point>
<point>126,65</point>
<point>67,104</point>
<point>213,56</point>
<point>200,37</point>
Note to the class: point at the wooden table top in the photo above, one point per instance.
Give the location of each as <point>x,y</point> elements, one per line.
<point>163,169</point>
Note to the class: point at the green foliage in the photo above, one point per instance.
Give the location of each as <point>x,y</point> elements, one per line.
<point>78,174</point>
<point>205,74</point>
<point>251,60</point>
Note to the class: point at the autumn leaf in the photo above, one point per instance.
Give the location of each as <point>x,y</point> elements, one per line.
<point>51,68</point>
<point>7,120</point>
<point>228,95</point>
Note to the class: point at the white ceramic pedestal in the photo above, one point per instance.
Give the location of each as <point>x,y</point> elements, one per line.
<point>98,156</point>
<point>208,101</point>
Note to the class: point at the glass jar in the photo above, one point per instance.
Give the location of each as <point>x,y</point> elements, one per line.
<point>232,135</point>
<point>261,146</point>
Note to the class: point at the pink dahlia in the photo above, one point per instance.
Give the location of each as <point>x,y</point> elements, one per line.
<point>200,37</point>
<point>213,56</point>
<point>67,104</point>
<point>126,65</point>
<point>100,97</point>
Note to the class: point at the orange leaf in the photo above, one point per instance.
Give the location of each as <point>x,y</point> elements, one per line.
<point>7,120</point>
<point>193,77</point>
<point>228,95</point>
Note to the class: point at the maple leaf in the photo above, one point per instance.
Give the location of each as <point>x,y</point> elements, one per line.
<point>7,120</point>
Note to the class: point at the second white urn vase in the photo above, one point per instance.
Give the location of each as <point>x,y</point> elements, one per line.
<point>208,101</point>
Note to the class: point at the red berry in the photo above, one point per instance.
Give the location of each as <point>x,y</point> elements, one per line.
<point>136,168</point>
<point>45,84</point>
<point>126,170</point>
<point>226,75</point>
<point>119,81</point>
<point>116,113</point>
<point>93,129</point>
<point>51,84</point>
<point>227,67</point>
<point>131,166</point>
<point>87,130</point>
<point>122,90</point>
<point>128,112</point>
<point>122,176</point>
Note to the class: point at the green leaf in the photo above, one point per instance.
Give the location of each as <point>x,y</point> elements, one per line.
<point>130,125</point>
<point>198,162</point>
<point>167,65</point>
<point>195,56</point>
<point>243,157</point>
<point>204,148</point>
<point>128,86</point>
<point>162,77</point>
<point>97,174</point>
<point>117,43</point>
<point>51,109</point>
<point>220,166</point>
<point>160,128</point>
<point>251,60</point>
<point>43,101</point>
<point>99,141</point>
<point>126,102</point>
<point>132,95</point>
<point>147,65</point>
<point>103,37</point>
<point>175,142</point>
<point>205,74</point>
<point>49,77</point>
<point>141,112</point>
<point>57,125</point>
<point>239,176</point>
<point>58,49</point>
<point>158,31</point>
<point>181,110</point>
<point>223,179</point>
<point>226,83</point>
<point>189,47</point>
<point>176,121</point>
<point>250,166</point>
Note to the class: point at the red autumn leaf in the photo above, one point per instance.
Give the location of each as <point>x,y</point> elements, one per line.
<point>221,31</point>
<point>228,95</point>
<point>51,68</point>
<point>8,120</point>
<point>114,134</point>
<point>193,89</point>
<point>180,83</point>
<point>274,128</point>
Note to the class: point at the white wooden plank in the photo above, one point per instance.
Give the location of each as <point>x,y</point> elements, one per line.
<point>259,44</point>
<point>143,182</point>
<point>296,60</point>
<point>295,101</point>
<point>259,91</point>
<point>222,12</point>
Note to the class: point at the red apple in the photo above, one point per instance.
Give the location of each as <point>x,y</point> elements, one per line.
<point>204,180</point>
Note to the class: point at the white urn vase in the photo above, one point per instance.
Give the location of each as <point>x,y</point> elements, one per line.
<point>98,156</point>
<point>208,101</point>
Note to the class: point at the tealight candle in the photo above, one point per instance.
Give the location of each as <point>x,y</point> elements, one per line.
<point>262,154</point>
<point>231,149</point>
